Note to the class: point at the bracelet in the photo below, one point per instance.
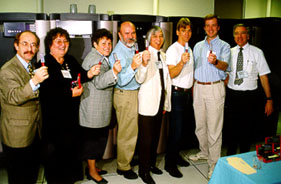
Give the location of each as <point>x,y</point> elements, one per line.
<point>268,98</point>
<point>216,62</point>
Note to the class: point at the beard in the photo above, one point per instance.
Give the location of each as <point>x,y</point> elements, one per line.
<point>127,43</point>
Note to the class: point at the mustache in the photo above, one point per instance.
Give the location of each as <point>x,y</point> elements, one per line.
<point>28,52</point>
<point>132,39</point>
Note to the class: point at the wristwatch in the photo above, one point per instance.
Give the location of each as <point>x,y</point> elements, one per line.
<point>268,98</point>
<point>216,62</point>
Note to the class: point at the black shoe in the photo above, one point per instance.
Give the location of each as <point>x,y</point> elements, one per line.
<point>102,181</point>
<point>102,172</point>
<point>130,174</point>
<point>155,170</point>
<point>183,163</point>
<point>173,171</point>
<point>146,178</point>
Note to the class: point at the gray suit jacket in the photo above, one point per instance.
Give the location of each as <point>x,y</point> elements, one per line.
<point>96,100</point>
<point>20,110</point>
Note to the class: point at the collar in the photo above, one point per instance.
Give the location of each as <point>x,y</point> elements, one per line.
<point>213,41</point>
<point>125,47</point>
<point>153,50</point>
<point>244,47</point>
<point>23,62</point>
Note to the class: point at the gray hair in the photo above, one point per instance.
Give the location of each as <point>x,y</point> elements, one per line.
<point>152,31</point>
<point>241,25</point>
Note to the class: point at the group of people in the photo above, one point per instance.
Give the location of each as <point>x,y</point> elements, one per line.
<point>59,112</point>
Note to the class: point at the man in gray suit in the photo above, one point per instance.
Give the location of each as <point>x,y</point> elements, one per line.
<point>20,110</point>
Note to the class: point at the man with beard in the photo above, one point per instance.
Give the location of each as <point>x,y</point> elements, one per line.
<point>20,110</point>
<point>125,97</point>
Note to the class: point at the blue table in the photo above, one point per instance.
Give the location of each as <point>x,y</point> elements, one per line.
<point>270,173</point>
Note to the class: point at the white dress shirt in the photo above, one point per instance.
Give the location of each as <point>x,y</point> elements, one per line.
<point>254,64</point>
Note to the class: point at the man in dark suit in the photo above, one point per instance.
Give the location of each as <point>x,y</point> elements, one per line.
<point>20,110</point>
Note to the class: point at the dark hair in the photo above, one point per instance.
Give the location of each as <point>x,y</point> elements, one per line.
<point>212,16</point>
<point>241,25</point>
<point>52,35</point>
<point>182,23</point>
<point>99,34</point>
<point>17,37</point>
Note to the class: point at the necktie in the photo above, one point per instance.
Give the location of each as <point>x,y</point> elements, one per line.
<point>160,67</point>
<point>159,63</point>
<point>30,70</point>
<point>239,67</point>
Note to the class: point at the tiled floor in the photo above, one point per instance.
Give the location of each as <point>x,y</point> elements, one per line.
<point>196,173</point>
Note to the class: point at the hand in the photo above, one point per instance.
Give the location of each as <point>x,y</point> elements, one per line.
<point>95,70</point>
<point>268,107</point>
<point>136,61</point>
<point>117,67</point>
<point>212,58</point>
<point>145,57</point>
<point>40,75</point>
<point>76,91</point>
<point>226,80</point>
<point>185,57</point>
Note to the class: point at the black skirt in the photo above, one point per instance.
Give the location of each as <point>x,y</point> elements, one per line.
<point>94,142</point>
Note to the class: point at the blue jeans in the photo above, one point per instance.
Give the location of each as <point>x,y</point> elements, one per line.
<point>178,117</point>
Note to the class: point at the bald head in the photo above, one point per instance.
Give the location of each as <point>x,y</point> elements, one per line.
<point>127,34</point>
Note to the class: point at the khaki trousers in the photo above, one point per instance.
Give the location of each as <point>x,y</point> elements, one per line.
<point>209,109</point>
<point>125,103</point>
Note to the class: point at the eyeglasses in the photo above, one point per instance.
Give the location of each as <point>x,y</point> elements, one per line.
<point>60,42</point>
<point>26,44</point>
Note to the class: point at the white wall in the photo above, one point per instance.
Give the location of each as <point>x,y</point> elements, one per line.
<point>19,6</point>
<point>255,8</point>
<point>166,7</point>
<point>198,8</point>
<point>193,8</point>
<point>275,8</point>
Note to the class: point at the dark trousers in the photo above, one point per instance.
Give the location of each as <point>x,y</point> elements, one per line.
<point>178,117</point>
<point>148,138</point>
<point>242,110</point>
<point>62,160</point>
<point>23,163</point>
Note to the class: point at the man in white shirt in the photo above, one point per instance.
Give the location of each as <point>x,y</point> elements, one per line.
<point>180,63</point>
<point>242,96</point>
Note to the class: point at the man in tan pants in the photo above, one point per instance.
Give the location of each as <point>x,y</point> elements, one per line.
<point>211,58</point>
<point>125,98</point>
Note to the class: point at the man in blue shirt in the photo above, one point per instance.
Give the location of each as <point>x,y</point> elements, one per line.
<point>211,58</point>
<point>125,97</point>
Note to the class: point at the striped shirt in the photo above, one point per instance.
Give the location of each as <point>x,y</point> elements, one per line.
<point>205,71</point>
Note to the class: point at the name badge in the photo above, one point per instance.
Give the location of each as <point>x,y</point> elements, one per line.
<point>208,53</point>
<point>242,74</point>
<point>66,74</point>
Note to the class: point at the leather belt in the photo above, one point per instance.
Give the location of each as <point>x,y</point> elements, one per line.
<point>208,83</point>
<point>175,88</point>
